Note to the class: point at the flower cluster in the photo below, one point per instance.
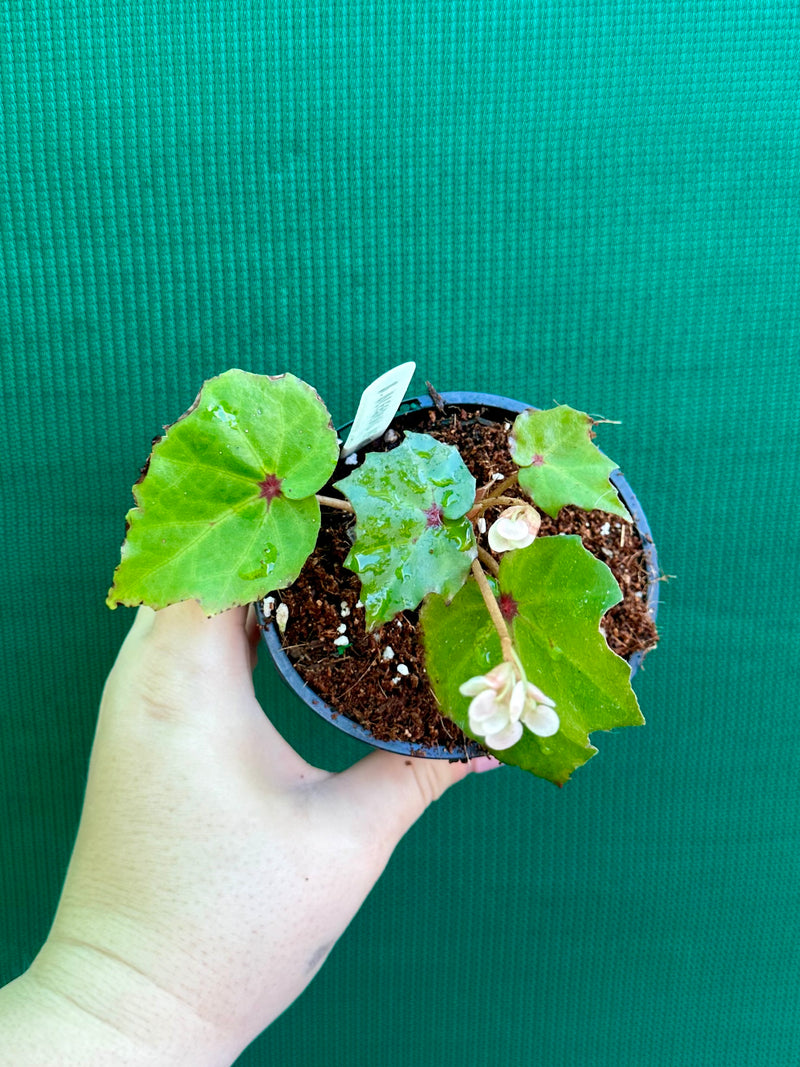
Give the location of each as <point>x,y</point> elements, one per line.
<point>503,701</point>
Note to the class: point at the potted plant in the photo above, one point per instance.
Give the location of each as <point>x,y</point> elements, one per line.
<point>228,511</point>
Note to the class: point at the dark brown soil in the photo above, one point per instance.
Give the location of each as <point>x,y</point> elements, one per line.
<point>379,678</point>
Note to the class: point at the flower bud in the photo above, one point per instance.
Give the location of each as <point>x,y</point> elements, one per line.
<point>516,527</point>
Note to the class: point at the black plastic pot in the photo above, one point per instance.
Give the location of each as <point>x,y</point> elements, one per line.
<point>501,407</point>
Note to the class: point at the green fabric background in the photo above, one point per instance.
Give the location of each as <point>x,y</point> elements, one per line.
<point>588,203</point>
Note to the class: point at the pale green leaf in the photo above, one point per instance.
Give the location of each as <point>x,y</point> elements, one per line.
<point>411,534</point>
<point>560,592</point>
<point>225,511</point>
<point>560,464</point>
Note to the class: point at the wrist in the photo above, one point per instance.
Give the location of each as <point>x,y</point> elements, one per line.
<point>78,1006</point>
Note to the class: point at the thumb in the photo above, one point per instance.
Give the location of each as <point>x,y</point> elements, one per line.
<point>176,664</point>
<point>386,793</point>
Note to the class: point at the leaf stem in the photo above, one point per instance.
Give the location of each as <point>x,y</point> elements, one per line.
<point>489,562</point>
<point>501,487</point>
<point>493,608</point>
<point>334,502</point>
<point>489,502</point>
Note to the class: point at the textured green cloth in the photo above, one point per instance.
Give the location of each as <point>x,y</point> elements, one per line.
<point>586,203</point>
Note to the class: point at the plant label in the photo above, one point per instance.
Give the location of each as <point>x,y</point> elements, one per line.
<point>378,406</point>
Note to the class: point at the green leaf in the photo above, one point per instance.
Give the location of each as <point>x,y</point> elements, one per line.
<point>411,534</point>
<point>225,511</point>
<point>560,592</point>
<point>560,464</point>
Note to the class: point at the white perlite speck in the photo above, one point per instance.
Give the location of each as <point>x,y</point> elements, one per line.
<point>282,617</point>
<point>402,669</point>
<point>388,653</point>
<point>342,642</point>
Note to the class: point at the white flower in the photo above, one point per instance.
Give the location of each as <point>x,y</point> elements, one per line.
<point>539,713</point>
<point>503,700</point>
<point>515,527</point>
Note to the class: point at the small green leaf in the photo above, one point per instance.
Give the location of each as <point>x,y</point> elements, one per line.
<point>411,534</point>
<point>557,593</point>
<point>560,464</point>
<point>225,511</point>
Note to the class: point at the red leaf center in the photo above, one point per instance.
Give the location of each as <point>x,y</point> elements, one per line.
<point>508,606</point>
<point>433,515</point>
<point>270,488</point>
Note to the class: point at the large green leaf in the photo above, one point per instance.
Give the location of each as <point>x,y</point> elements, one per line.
<point>411,534</point>
<point>560,464</point>
<point>559,592</point>
<point>225,511</point>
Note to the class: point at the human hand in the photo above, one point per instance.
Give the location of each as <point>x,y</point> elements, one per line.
<point>214,869</point>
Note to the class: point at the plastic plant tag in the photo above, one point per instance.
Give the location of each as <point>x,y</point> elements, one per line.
<point>378,406</point>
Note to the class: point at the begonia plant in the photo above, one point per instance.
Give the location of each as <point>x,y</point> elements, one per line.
<point>227,511</point>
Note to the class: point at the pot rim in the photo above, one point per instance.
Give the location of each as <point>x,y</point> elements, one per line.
<point>472,750</point>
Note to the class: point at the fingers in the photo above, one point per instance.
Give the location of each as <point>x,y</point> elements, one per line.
<point>385,793</point>
<point>196,669</point>
<point>484,763</point>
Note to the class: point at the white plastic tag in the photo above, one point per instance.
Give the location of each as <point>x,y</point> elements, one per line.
<point>378,406</point>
